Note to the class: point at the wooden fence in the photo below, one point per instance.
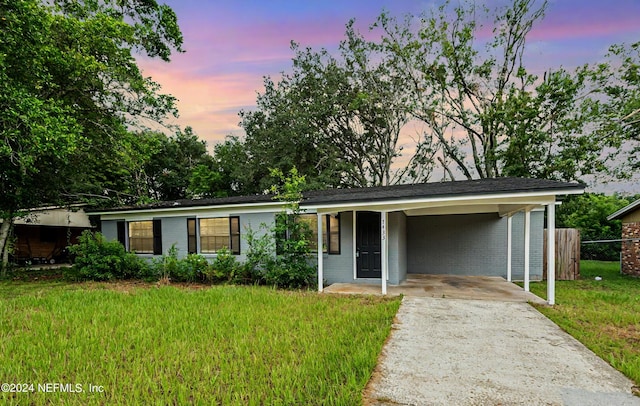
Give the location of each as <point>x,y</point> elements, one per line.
<point>567,254</point>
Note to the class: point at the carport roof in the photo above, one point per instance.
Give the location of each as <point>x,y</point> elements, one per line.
<point>392,193</point>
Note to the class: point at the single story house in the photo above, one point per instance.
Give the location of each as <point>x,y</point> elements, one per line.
<point>372,235</point>
<point>630,256</point>
<point>43,234</point>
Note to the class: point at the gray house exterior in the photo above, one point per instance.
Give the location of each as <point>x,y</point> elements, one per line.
<point>491,227</point>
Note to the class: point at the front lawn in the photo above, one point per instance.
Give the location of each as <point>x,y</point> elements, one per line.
<point>143,344</point>
<point>603,314</point>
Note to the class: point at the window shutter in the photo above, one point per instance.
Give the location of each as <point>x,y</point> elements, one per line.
<point>192,245</point>
<point>157,237</point>
<point>234,234</point>
<point>333,234</point>
<point>121,233</point>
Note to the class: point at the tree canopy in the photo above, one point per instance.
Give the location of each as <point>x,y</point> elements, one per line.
<point>445,90</point>
<point>71,92</point>
<point>588,213</point>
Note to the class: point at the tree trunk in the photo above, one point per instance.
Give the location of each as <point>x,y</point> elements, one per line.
<point>5,227</point>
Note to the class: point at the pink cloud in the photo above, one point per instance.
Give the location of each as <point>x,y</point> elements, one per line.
<point>581,30</point>
<point>224,67</point>
<point>209,104</point>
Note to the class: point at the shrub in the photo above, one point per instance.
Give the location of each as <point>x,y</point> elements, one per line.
<point>198,265</point>
<point>289,272</point>
<point>260,254</point>
<point>225,268</point>
<point>192,268</point>
<point>96,258</point>
<point>292,268</point>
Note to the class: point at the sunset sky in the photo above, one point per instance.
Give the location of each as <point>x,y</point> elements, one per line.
<point>230,45</point>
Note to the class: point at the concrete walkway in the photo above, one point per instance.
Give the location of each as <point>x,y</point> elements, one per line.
<point>483,352</point>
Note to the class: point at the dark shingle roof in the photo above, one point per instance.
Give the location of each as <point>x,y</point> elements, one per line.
<point>381,193</point>
<point>438,189</point>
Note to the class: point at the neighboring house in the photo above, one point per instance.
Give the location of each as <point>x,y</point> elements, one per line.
<point>371,235</point>
<point>630,257</point>
<point>43,234</point>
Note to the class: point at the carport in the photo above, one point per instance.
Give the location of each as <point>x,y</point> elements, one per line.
<point>392,213</point>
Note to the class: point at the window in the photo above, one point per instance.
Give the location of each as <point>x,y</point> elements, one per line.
<point>145,237</point>
<point>330,228</point>
<point>141,237</point>
<point>218,233</point>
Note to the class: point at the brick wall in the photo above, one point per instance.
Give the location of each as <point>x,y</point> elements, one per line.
<point>631,249</point>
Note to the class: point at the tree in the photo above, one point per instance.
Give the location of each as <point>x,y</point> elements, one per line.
<point>615,108</point>
<point>229,172</point>
<point>169,170</point>
<point>482,113</point>
<point>488,116</point>
<point>293,247</point>
<point>338,119</point>
<point>281,134</point>
<point>588,213</point>
<point>71,91</point>
<point>547,131</point>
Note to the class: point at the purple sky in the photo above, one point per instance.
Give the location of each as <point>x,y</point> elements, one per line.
<point>230,45</point>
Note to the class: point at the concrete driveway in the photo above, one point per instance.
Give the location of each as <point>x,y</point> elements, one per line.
<point>482,352</point>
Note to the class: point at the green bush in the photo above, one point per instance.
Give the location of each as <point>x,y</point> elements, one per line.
<point>198,265</point>
<point>292,268</point>
<point>260,254</point>
<point>225,268</point>
<point>290,274</point>
<point>192,268</point>
<point>96,258</point>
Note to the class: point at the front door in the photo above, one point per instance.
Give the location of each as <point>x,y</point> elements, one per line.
<point>368,245</point>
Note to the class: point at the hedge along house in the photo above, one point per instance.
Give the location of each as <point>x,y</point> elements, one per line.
<point>373,235</point>
<point>630,254</point>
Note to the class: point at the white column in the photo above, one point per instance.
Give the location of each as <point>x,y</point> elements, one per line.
<point>527,246</point>
<point>509,245</point>
<point>384,254</point>
<point>320,258</point>
<point>551,253</point>
<point>355,248</point>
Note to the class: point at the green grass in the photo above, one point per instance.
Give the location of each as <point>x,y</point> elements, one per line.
<point>604,315</point>
<point>175,345</point>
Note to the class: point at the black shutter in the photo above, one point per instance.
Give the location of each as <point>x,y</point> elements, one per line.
<point>234,234</point>
<point>192,243</point>
<point>157,237</point>
<point>121,235</point>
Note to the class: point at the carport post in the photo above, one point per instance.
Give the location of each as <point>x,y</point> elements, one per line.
<point>527,248</point>
<point>509,245</point>
<point>551,253</point>
<point>384,218</point>
<point>320,249</point>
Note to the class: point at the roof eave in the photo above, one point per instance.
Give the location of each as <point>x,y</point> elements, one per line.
<point>451,198</point>
<point>623,211</point>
